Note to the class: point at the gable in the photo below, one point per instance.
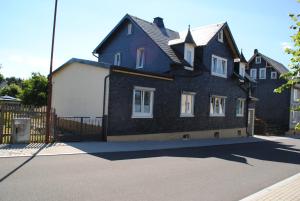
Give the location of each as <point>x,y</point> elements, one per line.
<point>158,36</point>
<point>279,67</point>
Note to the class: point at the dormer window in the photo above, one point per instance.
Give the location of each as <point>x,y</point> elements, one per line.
<point>117,59</point>
<point>129,29</point>
<point>140,57</point>
<point>258,59</point>
<point>220,36</point>
<point>189,55</point>
<point>242,70</point>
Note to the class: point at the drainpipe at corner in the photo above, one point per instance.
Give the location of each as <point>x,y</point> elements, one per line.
<point>105,117</point>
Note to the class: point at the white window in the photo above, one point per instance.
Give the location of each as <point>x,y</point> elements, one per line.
<point>140,58</point>
<point>253,73</point>
<point>295,116</point>
<point>217,106</point>
<point>117,60</point>
<point>262,73</point>
<point>219,66</point>
<point>129,29</point>
<point>242,69</point>
<point>258,59</point>
<point>142,102</point>
<point>273,75</point>
<point>296,95</point>
<point>189,55</point>
<point>187,104</point>
<point>240,105</point>
<point>220,36</point>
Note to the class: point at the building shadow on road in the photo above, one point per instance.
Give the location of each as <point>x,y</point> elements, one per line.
<point>266,150</point>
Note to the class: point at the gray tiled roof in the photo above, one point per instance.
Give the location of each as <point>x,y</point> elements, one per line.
<point>201,35</point>
<point>275,64</point>
<point>83,61</point>
<point>160,36</point>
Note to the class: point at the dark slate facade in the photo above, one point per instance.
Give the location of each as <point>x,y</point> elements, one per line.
<point>166,108</point>
<point>127,45</point>
<point>271,107</point>
<point>168,60</point>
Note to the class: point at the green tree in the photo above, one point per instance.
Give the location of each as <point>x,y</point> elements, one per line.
<point>11,90</point>
<point>11,80</point>
<point>35,90</point>
<point>293,76</point>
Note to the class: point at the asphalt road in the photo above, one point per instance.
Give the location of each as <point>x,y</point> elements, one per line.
<point>217,173</point>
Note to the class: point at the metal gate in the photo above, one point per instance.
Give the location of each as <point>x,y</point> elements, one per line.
<point>78,128</point>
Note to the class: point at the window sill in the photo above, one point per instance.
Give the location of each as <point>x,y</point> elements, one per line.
<point>137,67</point>
<point>217,115</point>
<point>239,115</point>
<point>188,68</point>
<point>142,116</point>
<point>187,115</point>
<point>219,75</point>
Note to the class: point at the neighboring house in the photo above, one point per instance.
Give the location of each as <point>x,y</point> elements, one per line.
<point>163,84</point>
<point>272,109</point>
<point>9,100</point>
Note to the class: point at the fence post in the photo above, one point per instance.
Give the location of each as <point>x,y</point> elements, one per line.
<point>81,124</point>
<point>1,124</point>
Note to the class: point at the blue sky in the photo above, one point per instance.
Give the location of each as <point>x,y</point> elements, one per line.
<point>26,25</point>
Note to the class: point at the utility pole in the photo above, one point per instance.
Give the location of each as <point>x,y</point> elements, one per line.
<point>49,104</point>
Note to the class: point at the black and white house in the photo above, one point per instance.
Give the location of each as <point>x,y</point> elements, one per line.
<point>162,84</point>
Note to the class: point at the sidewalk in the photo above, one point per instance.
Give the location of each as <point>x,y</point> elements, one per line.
<point>101,147</point>
<point>286,190</point>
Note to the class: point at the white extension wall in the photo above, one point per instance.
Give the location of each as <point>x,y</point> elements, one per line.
<point>78,90</point>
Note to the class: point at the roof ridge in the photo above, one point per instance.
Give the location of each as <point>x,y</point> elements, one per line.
<point>208,25</point>
<point>149,22</point>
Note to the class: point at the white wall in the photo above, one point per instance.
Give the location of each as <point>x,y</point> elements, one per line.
<point>78,90</point>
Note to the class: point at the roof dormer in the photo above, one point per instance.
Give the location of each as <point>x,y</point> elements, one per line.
<point>189,50</point>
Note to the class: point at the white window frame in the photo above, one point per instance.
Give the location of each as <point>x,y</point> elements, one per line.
<point>296,95</point>
<point>253,72</point>
<point>189,48</point>
<point>212,106</point>
<point>295,116</point>
<point>221,36</point>
<point>143,114</point>
<point>117,59</point>
<point>273,75</point>
<point>129,29</point>
<point>219,59</point>
<point>262,76</point>
<point>192,104</point>
<point>242,69</point>
<point>258,59</point>
<point>240,111</point>
<point>140,58</point>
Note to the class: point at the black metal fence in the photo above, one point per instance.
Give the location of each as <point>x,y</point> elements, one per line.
<point>78,128</point>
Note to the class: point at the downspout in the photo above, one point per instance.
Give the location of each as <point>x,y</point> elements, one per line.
<point>105,117</point>
<point>247,112</point>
